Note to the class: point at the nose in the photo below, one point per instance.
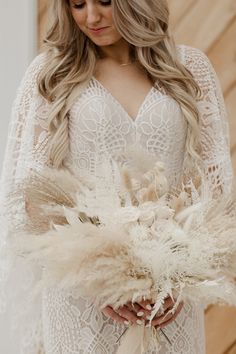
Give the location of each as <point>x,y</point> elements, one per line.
<point>93,15</point>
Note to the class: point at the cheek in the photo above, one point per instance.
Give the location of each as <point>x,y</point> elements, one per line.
<point>79,19</point>
<point>108,14</point>
<point>109,20</point>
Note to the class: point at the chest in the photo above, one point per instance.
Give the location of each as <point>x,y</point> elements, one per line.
<point>100,125</point>
<point>128,86</point>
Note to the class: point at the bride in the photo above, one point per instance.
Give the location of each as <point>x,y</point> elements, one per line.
<point>110,75</point>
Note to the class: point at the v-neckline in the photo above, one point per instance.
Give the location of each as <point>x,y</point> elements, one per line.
<point>118,103</point>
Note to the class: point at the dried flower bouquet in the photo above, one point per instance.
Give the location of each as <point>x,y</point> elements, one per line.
<point>124,235</point>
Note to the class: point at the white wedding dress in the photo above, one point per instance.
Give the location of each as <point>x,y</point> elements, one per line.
<point>62,322</point>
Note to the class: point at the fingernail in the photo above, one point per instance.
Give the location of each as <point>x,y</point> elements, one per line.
<point>126,323</point>
<point>139,322</point>
<point>140,314</point>
<point>148,307</point>
<point>148,317</point>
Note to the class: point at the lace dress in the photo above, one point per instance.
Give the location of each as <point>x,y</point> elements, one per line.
<point>63,322</point>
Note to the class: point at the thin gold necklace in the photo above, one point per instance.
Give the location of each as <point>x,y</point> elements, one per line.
<point>130,62</point>
<point>126,64</point>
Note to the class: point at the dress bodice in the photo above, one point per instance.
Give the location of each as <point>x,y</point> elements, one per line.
<point>99,124</point>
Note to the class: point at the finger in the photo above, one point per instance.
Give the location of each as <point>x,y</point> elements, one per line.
<point>167,318</point>
<point>168,303</point>
<point>129,315</point>
<point>134,306</point>
<point>146,304</point>
<point>109,312</point>
<point>141,312</point>
<point>161,319</point>
<point>164,324</point>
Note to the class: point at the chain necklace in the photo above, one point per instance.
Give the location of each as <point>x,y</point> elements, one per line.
<point>130,62</point>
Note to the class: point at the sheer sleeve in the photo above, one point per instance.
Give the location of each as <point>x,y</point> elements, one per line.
<point>26,148</point>
<point>214,129</point>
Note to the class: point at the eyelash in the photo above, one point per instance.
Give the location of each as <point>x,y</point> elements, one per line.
<point>80,6</point>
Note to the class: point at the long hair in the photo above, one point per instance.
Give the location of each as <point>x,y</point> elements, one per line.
<point>72,57</point>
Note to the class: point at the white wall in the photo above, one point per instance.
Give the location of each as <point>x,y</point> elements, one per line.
<point>17,49</point>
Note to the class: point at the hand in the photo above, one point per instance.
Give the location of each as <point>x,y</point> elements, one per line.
<point>138,313</point>
<point>162,320</point>
<point>128,314</point>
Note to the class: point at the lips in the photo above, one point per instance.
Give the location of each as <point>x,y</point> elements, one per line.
<point>97,30</point>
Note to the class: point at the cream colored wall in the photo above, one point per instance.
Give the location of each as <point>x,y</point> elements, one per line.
<point>211,26</point>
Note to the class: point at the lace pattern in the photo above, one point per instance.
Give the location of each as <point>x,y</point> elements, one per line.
<point>213,122</point>
<point>64,322</point>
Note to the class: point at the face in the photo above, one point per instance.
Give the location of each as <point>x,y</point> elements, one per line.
<point>94,18</point>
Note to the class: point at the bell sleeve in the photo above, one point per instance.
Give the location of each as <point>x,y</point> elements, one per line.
<point>214,127</point>
<point>27,148</point>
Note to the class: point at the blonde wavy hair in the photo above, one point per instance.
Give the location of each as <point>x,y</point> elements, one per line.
<point>72,58</point>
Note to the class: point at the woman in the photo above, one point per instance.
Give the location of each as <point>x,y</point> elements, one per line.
<point>111,76</point>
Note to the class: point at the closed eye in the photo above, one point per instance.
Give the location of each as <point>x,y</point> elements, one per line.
<point>102,2</point>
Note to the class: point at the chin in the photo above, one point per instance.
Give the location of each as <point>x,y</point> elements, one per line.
<point>103,43</point>
<point>104,40</point>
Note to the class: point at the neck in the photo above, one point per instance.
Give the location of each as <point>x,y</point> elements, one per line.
<point>118,52</point>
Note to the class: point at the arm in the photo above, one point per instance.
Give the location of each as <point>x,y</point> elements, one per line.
<point>214,130</point>
<point>26,148</point>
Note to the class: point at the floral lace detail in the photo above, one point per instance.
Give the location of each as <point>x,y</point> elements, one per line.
<point>65,323</point>
<point>72,324</point>
<point>213,122</point>
<point>105,127</point>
